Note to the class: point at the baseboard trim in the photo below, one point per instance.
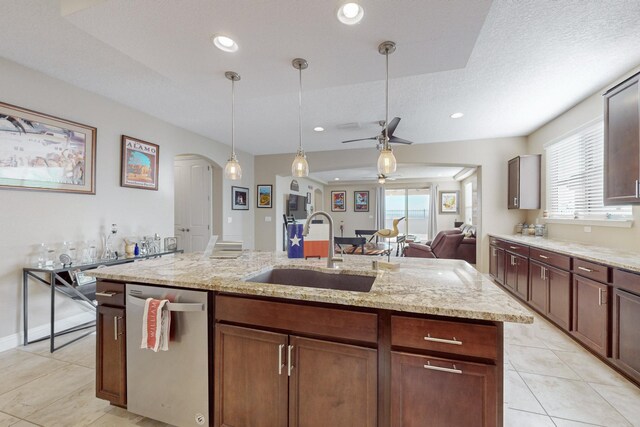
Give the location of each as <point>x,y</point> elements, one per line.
<point>13,341</point>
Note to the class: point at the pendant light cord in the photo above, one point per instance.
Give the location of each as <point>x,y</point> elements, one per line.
<point>233,121</point>
<point>386,114</point>
<point>300,111</point>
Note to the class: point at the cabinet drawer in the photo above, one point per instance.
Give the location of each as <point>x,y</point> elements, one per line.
<point>444,336</point>
<point>626,280</point>
<point>551,258</point>
<point>110,293</point>
<point>591,270</point>
<point>515,248</point>
<point>305,319</point>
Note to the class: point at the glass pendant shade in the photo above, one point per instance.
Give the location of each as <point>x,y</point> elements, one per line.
<point>232,169</point>
<point>300,166</point>
<point>386,161</point>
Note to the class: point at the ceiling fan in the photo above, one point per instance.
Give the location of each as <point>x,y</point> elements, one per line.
<point>380,138</point>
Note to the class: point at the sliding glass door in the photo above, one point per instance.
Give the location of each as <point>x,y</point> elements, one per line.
<point>411,203</point>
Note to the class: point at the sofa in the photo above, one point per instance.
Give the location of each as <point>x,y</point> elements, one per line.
<point>459,243</point>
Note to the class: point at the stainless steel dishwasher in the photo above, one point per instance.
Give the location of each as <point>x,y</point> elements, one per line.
<point>170,386</point>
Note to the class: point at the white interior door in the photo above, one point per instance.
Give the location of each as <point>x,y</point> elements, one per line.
<point>193,179</point>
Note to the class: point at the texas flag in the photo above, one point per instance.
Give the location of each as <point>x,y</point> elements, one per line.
<point>316,243</point>
<point>295,245</point>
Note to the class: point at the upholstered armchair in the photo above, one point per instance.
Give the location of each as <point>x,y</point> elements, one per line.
<point>445,245</point>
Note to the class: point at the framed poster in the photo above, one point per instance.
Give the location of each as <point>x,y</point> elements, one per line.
<point>139,164</point>
<point>264,196</point>
<point>42,152</point>
<point>338,201</point>
<point>449,202</point>
<point>239,198</point>
<point>361,201</point>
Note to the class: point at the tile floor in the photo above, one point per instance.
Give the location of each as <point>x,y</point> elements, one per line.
<point>549,381</point>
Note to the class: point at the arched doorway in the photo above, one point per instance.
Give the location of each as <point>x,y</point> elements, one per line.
<point>197,210</point>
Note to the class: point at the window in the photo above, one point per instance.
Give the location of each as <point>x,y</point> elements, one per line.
<point>468,203</point>
<point>411,203</point>
<point>575,178</point>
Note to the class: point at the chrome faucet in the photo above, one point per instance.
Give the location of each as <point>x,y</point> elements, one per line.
<point>331,260</point>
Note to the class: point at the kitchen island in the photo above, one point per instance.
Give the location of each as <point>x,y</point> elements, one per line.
<point>422,347</point>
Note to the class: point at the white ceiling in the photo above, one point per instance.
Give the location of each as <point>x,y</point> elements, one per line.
<point>510,66</point>
<point>404,172</point>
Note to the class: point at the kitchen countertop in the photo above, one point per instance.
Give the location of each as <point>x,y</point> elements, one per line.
<point>426,286</point>
<point>627,260</point>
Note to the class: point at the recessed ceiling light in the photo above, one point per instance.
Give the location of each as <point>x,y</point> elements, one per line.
<point>457,115</point>
<point>224,43</point>
<point>350,13</point>
<point>336,179</point>
<point>318,129</point>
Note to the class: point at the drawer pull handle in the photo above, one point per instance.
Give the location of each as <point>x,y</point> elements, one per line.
<point>454,341</point>
<point>544,257</point>
<point>280,364</point>
<point>514,247</point>
<point>588,270</point>
<point>106,294</point>
<point>438,368</point>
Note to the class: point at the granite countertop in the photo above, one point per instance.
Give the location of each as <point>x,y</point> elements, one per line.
<point>427,286</point>
<point>627,260</point>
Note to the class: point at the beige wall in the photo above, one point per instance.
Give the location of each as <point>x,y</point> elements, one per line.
<point>28,218</point>
<point>490,154</point>
<point>589,109</point>
<point>351,220</point>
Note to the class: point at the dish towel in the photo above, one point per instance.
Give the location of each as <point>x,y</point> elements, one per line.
<point>156,324</point>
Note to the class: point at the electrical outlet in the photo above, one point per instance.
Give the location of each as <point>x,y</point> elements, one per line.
<point>230,219</point>
<point>267,219</point>
<point>587,229</point>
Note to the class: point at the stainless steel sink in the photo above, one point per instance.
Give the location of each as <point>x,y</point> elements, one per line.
<point>314,279</point>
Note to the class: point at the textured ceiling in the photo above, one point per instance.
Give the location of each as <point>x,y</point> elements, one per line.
<point>404,172</point>
<point>510,66</point>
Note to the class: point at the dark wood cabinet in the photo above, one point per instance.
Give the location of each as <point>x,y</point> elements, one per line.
<point>524,182</point>
<point>270,379</point>
<point>591,314</point>
<point>331,384</point>
<point>493,261</point>
<point>516,274</point>
<point>559,307</point>
<point>500,265</point>
<point>622,143</point>
<point>441,392</point>
<point>626,333</point>
<point>538,289</point>
<point>251,379</point>
<point>111,355</point>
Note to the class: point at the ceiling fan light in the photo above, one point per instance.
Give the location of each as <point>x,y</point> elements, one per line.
<point>381,179</point>
<point>232,169</point>
<point>386,162</point>
<point>300,166</point>
<point>350,13</point>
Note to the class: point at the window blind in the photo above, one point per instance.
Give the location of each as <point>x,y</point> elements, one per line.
<point>575,179</point>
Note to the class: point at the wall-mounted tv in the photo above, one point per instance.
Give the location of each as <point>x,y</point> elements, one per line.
<point>297,206</point>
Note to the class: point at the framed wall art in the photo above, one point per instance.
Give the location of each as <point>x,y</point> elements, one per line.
<point>338,201</point>
<point>47,153</point>
<point>449,202</point>
<point>264,196</point>
<point>239,198</point>
<point>139,164</point>
<point>361,201</point>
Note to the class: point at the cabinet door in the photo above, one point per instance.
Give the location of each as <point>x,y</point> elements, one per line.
<point>538,289</point>
<point>111,355</point>
<point>622,144</point>
<point>590,313</point>
<point>626,334</point>
<point>332,384</point>
<point>430,391</point>
<point>522,276</point>
<point>513,193</point>
<point>493,262</point>
<point>511,271</point>
<point>500,266</point>
<point>250,378</point>
<point>559,297</point>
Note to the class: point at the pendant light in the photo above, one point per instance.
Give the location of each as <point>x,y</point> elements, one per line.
<point>300,167</point>
<point>386,160</point>
<point>232,169</point>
